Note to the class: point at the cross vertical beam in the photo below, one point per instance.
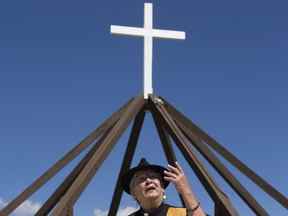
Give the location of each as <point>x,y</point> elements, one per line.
<point>148,33</point>
<point>148,49</point>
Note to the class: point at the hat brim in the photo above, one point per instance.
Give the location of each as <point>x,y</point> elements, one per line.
<point>127,177</point>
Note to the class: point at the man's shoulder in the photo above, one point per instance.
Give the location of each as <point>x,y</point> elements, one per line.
<point>134,213</point>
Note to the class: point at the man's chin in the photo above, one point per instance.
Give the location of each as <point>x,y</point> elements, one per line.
<point>152,195</point>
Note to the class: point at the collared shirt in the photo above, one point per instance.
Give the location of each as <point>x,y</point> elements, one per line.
<point>162,210</point>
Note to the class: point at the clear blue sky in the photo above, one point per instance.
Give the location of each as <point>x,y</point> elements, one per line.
<point>62,74</point>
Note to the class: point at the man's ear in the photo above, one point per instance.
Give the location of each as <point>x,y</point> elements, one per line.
<point>132,193</point>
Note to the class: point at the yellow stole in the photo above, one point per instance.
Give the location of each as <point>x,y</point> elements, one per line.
<point>176,211</point>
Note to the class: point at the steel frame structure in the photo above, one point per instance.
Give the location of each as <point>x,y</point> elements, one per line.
<point>170,124</point>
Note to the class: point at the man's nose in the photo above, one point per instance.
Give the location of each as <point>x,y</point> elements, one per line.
<point>148,180</point>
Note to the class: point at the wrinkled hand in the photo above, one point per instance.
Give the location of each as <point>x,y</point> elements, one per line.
<point>177,177</point>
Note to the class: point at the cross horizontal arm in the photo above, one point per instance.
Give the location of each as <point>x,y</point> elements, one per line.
<point>126,30</point>
<point>158,33</point>
<point>168,34</point>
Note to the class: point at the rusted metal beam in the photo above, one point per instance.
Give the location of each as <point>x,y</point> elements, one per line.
<point>221,169</point>
<point>209,184</point>
<point>219,210</point>
<point>61,190</point>
<point>165,140</point>
<point>102,152</point>
<point>53,170</point>
<point>126,162</point>
<point>166,143</point>
<point>264,185</point>
<point>69,211</point>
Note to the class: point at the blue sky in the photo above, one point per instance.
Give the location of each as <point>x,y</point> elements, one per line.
<point>62,74</point>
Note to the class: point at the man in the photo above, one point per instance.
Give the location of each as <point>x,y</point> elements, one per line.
<point>147,182</point>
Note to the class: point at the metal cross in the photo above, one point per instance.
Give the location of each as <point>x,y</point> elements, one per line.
<point>148,33</point>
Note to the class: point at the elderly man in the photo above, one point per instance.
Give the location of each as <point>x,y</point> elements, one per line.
<point>147,182</point>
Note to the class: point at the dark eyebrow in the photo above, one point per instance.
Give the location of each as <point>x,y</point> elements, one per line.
<point>141,175</point>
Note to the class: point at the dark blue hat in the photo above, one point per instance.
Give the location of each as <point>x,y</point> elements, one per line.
<point>143,165</point>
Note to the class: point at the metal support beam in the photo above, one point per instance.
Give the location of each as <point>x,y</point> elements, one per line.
<point>61,190</point>
<point>126,162</point>
<point>95,162</point>
<point>69,211</point>
<point>220,210</point>
<point>211,187</point>
<point>265,186</point>
<point>53,170</point>
<point>166,143</point>
<point>222,170</point>
<point>169,122</point>
<point>165,140</point>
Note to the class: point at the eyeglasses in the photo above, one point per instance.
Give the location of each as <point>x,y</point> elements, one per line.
<point>137,179</point>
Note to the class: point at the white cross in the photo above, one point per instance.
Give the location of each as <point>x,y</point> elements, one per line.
<point>148,33</point>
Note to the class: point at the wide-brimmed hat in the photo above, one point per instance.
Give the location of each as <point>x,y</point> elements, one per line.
<point>143,165</point>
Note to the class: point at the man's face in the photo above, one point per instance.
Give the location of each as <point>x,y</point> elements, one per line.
<point>146,186</point>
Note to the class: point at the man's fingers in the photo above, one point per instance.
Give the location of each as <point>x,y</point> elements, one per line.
<point>170,174</point>
<point>170,179</point>
<point>179,167</point>
<point>174,169</point>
